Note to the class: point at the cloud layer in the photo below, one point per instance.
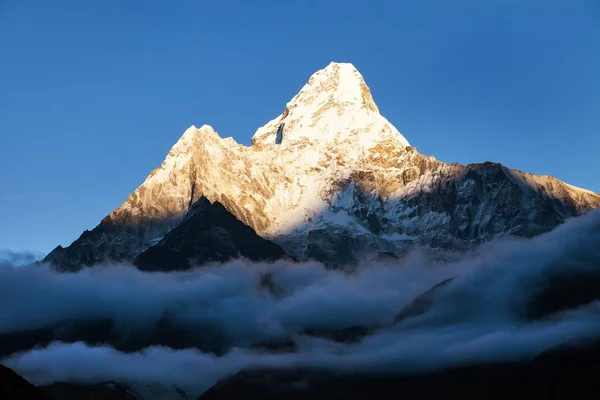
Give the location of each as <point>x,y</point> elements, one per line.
<point>481,316</point>
<point>10,258</point>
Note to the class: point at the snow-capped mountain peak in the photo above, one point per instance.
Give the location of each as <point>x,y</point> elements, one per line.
<point>335,105</point>
<point>189,136</point>
<point>330,178</point>
<point>338,83</point>
<point>181,154</point>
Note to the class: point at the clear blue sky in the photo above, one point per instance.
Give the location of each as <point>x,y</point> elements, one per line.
<point>94,93</point>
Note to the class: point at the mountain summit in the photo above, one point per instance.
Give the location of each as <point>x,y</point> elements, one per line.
<point>330,179</point>
<point>335,105</point>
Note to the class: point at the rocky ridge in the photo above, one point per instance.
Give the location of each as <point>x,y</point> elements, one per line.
<point>330,179</point>
<point>208,233</point>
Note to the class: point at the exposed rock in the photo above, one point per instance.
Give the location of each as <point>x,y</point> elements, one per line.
<point>566,372</point>
<point>421,304</point>
<point>330,178</point>
<point>208,233</point>
<point>15,387</point>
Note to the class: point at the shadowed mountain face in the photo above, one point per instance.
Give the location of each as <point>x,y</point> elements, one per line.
<point>113,391</point>
<point>330,179</point>
<point>15,387</point>
<point>208,233</point>
<point>555,374</point>
<point>73,391</point>
<point>564,372</point>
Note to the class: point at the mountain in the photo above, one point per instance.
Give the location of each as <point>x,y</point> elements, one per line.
<point>15,387</point>
<point>208,233</point>
<point>563,372</point>
<point>559,373</point>
<point>113,391</point>
<point>330,179</point>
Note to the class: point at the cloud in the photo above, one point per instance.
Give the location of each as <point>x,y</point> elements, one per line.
<point>10,258</point>
<point>78,362</point>
<point>481,316</point>
<point>390,350</point>
<point>228,298</point>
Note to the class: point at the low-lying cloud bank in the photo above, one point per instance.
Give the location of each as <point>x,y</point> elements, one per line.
<point>481,316</point>
<point>11,258</point>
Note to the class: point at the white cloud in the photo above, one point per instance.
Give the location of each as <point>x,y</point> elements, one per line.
<point>477,317</point>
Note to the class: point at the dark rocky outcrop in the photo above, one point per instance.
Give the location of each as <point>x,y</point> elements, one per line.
<point>560,292</point>
<point>566,372</point>
<point>14,387</point>
<point>421,303</point>
<point>208,233</point>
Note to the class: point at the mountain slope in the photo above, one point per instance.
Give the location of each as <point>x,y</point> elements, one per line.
<point>15,387</point>
<point>555,374</point>
<point>331,179</point>
<point>113,391</point>
<point>208,233</point>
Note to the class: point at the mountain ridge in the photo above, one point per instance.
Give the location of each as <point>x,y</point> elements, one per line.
<point>208,233</point>
<point>330,179</point>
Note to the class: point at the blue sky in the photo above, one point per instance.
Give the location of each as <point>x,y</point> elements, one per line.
<point>93,94</point>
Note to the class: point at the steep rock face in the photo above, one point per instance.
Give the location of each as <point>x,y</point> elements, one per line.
<point>330,179</point>
<point>15,387</point>
<point>208,233</point>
